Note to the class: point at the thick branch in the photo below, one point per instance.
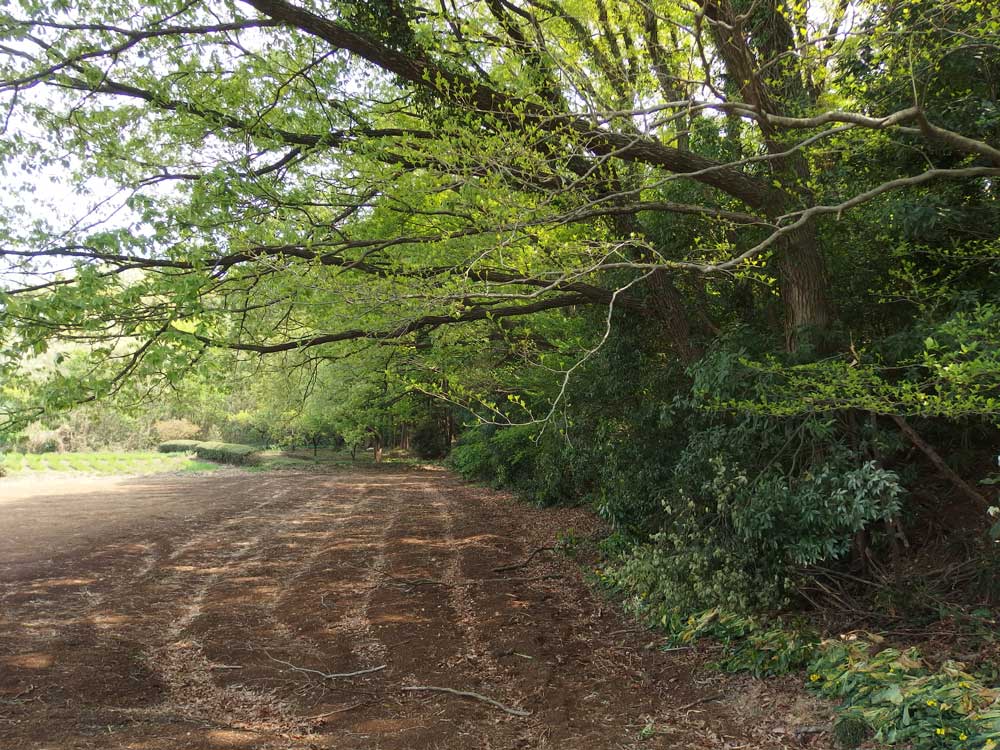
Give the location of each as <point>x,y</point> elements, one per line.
<point>458,88</point>
<point>422,323</point>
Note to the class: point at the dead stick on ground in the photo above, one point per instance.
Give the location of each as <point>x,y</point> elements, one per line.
<point>467,694</point>
<point>526,562</point>
<point>335,711</point>
<point>324,675</point>
<point>469,581</point>
<point>698,702</point>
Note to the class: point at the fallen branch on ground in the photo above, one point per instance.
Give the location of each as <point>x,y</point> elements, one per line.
<point>411,582</point>
<point>512,652</point>
<point>335,711</point>
<point>325,675</point>
<point>698,702</point>
<point>467,694</point>
<point>526,562</point>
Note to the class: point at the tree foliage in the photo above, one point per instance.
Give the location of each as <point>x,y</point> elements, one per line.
<point>666,251</point>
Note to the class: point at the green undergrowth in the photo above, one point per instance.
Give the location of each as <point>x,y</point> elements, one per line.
<point>326,460</point>
<point>102,464</point>
<point>888,697</point>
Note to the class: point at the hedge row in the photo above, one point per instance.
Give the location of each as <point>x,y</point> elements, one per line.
<point>223,453</point>
<point>178,446</point>
<point>227,453</point>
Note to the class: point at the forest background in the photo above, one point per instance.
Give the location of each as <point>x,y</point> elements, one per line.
<point>724,270</point>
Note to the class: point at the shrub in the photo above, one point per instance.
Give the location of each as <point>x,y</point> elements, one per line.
<point>472,458</point>
<point>430,439</point>
<point>227,453</point>
<point>737,522</point>
<point>178,446</point>
<point>540,470</point>
<point>40,440</point>
<point>99,427</point>
<point>176,429</point>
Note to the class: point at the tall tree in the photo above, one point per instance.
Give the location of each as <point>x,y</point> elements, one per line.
<point>268,177</point>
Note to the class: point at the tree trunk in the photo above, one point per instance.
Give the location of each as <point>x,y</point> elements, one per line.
<point>803,282</point>
<point>665,299</point>
<point>672,313</point>
<point>801,266</point>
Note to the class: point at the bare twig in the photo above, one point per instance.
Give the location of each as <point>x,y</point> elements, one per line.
<point>335,711</point>
<point>468,694</point>
<point>411,582</point>
<point>512,652</point>
<point>800,732</point>
<point>707,699</point>
<point>325,675</point>
<point>526,562</point>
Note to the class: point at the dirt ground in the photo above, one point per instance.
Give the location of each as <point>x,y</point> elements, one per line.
<point>228,611</point>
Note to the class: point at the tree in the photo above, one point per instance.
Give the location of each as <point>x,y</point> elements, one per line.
<point>267,178</point>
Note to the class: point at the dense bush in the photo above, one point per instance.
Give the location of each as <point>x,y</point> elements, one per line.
<point>227,453</point>
<point>40,440</point>
<point>539,467</point>
<point>176,429</point>
<point>178,446</point>
<point>708,508</point>
<point>736,525</point>
<point>429,439</point>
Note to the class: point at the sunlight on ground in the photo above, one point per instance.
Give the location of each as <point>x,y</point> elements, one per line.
<point>233,738</point>
<point>35,660</point>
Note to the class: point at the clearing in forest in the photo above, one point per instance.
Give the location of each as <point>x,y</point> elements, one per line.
<point>200,612</point>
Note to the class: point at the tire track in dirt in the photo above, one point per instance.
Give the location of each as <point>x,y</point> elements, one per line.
<point>177,656</point>
<point>266,598</point>
<point>244,598</point>
<point>538,642</point>
<point>83,630</point>
<point>165,635</point>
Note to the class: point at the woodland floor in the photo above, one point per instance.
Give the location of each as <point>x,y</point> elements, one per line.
<point>165,612</point>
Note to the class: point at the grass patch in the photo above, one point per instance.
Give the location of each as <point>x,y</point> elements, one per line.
<point>100,464</point>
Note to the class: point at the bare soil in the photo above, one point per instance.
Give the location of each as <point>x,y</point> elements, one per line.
<point>203,612</point>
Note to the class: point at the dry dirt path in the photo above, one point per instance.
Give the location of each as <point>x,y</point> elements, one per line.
<point>189,613</point>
